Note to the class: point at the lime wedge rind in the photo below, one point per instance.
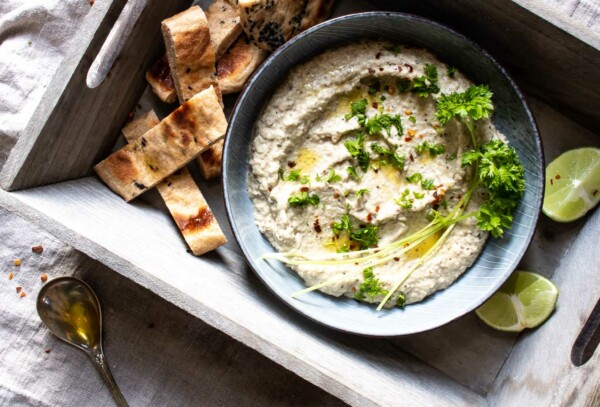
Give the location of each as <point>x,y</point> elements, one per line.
<point>572,184</point>
<point>525,300</point>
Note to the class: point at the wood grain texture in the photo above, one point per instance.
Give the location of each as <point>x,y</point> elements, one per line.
<point>74,127</point>
<point>539,371</point>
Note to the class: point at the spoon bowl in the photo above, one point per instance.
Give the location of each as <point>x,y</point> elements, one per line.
<point>71,311</point>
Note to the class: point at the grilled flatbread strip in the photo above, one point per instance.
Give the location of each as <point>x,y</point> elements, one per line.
<point>237,64</point>
<point>190,53</point>
<point>183,198</point>
<point>224,25</point>
<point>160,80</point>
<point>177,140</point>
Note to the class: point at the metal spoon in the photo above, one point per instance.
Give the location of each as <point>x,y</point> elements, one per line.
<point>71,311</point>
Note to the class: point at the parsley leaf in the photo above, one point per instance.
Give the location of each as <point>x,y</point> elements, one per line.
<point>404,201</point>
<point>389,157</point>
<point>395,49</point>
<point>502,175</point>
<point>427,184</point>
<point>365,235</point>
<point>433,149</point>
<point>416,177</point>
<point>303,199</point>
<point>294,175</point>
<point>426,84</point>
<point>361,192</point>
<point>352,173</point>
<point>401,300</point>
<point>331,177</point>
<point>374,87</point>
<point>385,121</point>
<point>371,287</point>
<point>356,148</point>
<point>473,104</point>
<point>412,119</point>
<point>404,85</point>
<point>419,195</point>
<point>344,225</point>
<point>358,109</point>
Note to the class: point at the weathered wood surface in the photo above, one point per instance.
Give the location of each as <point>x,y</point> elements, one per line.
<point>139,241</point>
<point>539,371</point>
<point>74,127</point>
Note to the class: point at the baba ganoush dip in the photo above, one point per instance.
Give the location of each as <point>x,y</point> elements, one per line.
<point>326,179</point>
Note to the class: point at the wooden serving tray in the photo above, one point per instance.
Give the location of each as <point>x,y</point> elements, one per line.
<point>462,363</point>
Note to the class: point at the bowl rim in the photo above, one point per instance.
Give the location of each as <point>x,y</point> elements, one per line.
<point>357,16</point>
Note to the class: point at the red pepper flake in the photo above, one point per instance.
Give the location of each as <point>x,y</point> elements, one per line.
<point>557,176</point>
<point>410,156</point>
<point>408,138</point>
<point>10,275</point>
<point>377,208</point>
<point>270,189</point>
<point>44,277</point>
<point>19,288</point>
<point>551,181</point>
<point>22,294</point>
<point>353,288</point>
<point>47,350</point>
<point>410,68</point>
<point>371,71</point>
<point>375,105</point>
<point>304,189</point>
<point>37,249</point>
<point>356,264</point>
<point>317,226</point>
<point>91,2</point>
<point>399,68</point>
<point>380,69</point>
<point>392,90</point>
<point>291,164</point>
<point>369,217</point>
<point>17,262</point>
<point>397,258</point>
<point>336,195</point>
<point>378,55</point>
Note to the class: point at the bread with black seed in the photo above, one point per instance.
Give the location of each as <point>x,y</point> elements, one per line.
<point>224,25</point>
<point>239,62</point>
<point>270,23</point>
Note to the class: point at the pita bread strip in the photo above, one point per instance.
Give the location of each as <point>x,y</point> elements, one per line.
<point>224,26</point>
<point>178,139</point>
<point>237,64</point>
<point>190,53</point>
<point>160,80</point>
<point>183,198</point>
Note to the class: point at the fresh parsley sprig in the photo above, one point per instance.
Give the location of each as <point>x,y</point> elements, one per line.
<point>370,287</point>
<point>356,148</point>
<point>389,157</point>
<point>303,199</point>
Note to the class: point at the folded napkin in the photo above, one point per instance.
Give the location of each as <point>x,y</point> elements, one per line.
<point>34,36</point>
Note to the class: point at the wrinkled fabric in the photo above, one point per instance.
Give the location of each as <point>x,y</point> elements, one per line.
<point>34,36</point>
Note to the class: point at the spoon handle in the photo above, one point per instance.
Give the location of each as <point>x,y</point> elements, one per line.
<point>99,361</point>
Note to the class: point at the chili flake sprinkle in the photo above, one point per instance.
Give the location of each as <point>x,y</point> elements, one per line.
<point>44,277</point>
<point>10,275</point>
<point>22,294</point>
<point>17,262</point>
<point>37,249</point>
<point>19,288</point>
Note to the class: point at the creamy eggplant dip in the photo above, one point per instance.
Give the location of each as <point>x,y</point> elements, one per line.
<point>349,158</point>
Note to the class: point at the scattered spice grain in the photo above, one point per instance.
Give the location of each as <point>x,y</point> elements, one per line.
<point>37,249</point>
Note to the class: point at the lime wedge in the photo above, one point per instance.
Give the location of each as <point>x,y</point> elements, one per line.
<point>525,300</point>
<point>572,184</point>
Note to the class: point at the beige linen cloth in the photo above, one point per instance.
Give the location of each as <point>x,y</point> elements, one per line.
<point>160,355</point>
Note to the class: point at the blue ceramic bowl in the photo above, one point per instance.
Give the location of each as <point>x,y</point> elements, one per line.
<point>512,116</point>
